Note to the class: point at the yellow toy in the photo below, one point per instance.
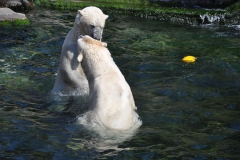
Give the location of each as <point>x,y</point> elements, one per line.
<point>189,59</point>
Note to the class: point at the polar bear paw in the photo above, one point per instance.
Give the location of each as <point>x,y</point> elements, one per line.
<point>104,44</point>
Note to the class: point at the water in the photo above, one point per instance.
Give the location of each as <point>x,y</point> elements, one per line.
<point>189,111</point>
<point>212,18</point>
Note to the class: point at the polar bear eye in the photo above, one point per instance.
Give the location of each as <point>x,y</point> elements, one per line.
<point>92,26</point>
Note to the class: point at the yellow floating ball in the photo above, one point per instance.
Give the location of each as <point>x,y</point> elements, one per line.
<point>189,59</point>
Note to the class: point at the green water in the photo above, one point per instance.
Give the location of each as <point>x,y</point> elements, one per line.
<point>189,111</point>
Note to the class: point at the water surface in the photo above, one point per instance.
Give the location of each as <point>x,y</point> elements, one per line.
<point>189,111</point>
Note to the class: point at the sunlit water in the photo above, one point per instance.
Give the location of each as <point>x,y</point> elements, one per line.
<point>189,111</point>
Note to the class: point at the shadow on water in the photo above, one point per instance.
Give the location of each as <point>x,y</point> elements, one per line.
<point>188,110</point>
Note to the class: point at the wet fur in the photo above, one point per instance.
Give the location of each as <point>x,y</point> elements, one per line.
<point>70,75</point>
<point>110,95</point>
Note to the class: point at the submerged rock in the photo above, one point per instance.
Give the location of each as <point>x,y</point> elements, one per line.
<point>8,14</point>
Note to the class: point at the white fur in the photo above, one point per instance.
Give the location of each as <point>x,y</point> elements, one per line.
<point>70,74</point>
<point>110,95</point>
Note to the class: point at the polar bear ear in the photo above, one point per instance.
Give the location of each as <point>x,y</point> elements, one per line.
<point>106,16</point>
<point>81,12</point>
<point>77,19</point>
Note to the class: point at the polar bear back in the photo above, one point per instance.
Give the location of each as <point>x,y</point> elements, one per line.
<point>110,95</point>
<point>98,59</point>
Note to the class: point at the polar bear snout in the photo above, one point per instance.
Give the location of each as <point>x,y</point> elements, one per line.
<point>97,33</point>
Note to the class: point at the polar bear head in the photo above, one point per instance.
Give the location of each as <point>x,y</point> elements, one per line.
<point>91,21</point>
<point>85,45</point>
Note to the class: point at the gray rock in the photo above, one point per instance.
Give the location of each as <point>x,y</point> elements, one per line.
<point>17,5</point>
<point>8,14</point>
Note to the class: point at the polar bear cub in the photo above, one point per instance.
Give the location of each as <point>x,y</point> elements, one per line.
<point>110,95</point>
<point>89,21</point>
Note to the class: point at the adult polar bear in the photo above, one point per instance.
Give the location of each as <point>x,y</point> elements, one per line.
<point>110,96</point>
<point>89,21</point>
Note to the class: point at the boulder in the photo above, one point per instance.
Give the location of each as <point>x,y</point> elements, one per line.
<point>8,14</point>
<point>17,5</point>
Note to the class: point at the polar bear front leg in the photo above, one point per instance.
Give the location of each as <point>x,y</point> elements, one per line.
<point>71,70</point>
<point>59,84</point>
<point>74,78</point>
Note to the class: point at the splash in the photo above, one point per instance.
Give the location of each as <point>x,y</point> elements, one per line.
<point>237,27</point>
<point>206,18</point>
<point>77,99</point>
<point>69,92</point>
<point>75,92</point>
<point>107,138</point>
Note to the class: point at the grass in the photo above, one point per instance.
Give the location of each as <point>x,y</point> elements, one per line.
<point>234,7</point>
<point>124,1</point>
<point>16,22</point>
<point>141,8</point>
<point>131,5</point>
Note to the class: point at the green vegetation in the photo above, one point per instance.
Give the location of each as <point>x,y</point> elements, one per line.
<point>145,2</point>
<point>20,22</point>
<point>141,8</point>
<point>13,82</point>
<point>234,7</point>
<point>17,22</point>
<point>124,1</point>
<point>124,5</point>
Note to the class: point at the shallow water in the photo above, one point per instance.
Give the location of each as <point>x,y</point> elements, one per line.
<point>189,111</point>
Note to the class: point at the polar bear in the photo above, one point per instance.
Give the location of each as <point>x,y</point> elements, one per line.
<point>89,21</point>
<point>110,95</point>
